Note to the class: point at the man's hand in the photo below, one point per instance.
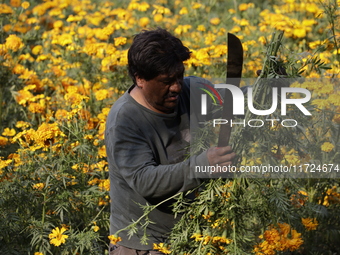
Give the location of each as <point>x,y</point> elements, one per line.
<point>222,156</point>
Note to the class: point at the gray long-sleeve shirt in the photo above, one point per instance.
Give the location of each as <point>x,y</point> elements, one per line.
<point>146,153</point>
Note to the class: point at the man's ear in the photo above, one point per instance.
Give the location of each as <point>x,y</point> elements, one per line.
<point>140,82</point>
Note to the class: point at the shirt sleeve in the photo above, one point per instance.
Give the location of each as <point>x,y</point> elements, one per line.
<point>131,157</point>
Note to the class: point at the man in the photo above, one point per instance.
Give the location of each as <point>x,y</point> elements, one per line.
<point>146,136</point>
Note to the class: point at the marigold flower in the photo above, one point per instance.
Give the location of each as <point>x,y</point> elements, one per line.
<point>144,21</point>
<point>162,247</point>
<point>309,223</point>
<point>39,186</point>
<point>14,43</point>
<point>215,21</point>
<point>143,6</point>
<point>120,40</point>
<point>38,253</point>
<point>5,9</point>
<point>15,3</point>
<point>25,5</point>
<point>37,49</point>
<point>281,238</point>
<point>114,239</point>
<point>102,152</point>
<point>36,107</point>
<point>196,5</point>
<point>158,17</point>
<point>95,228</point>
<point>198,236</point>
<point>9,132</point>
<point>183,11</point>
<point>3,141</point>
<point>327,147</point>
<point>104,185</point>
<point>243,7</point>
<point>101,94</point>
<point>56,237</point>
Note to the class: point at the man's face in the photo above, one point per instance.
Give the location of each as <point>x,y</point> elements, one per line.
<point>162,92</point>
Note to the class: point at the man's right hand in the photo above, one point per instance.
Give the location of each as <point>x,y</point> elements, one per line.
<point>222,156</point>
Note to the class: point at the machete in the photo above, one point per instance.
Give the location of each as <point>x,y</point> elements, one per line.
<point>234,73</point>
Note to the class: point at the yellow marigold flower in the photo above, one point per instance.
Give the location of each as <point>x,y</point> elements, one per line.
<point>300,32</point>
<point>182,29</point>
<point>46,134</point>
<point>36,107</point>
<point>4,163</point>
<point>101,94</point>
<point>114,239</point>
<point>9,132</point>
<point>3,141</point>
<point>61,114</point>
<point>120,40</point>
<point>25,5</point>
<point>327,147</point>
<point>201,28</point>
<point>309,223</point>
<point>235,29</point>
<point>198,236</point>
<point>105,185</point>
<point>14,43</point>
<point>38,253</point>
<point>162,247</point>
<point>58,24</point>
<point>243,7</point>
<point>160,9</point>
<point>184,10</point>
<point>215,21</point>
<point>15,3</point>
<point>143,6</point>
<point>95,228</point>
<point>102,152</point>
<point>37,49</point>
<point>158,17</point>
<point>196,5</point>
<point>144,21</point>
<point>56,237</point>
<point>39,186</point>
<point>321,103</point>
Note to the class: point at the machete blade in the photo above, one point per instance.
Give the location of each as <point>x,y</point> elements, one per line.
<point>234,74</point>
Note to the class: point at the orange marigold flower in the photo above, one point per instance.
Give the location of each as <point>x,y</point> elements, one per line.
<point>36,108</point>
<point>61,114</point>
<point>309,223</point>
<point>3,141</point>
<point>15,3</point>
<point>114,239</point>
<point>5,9</point>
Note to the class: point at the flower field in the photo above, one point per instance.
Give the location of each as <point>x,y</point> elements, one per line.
<point>63,64</point>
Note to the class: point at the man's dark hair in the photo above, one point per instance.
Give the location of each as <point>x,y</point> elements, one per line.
<point>155,52</point>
